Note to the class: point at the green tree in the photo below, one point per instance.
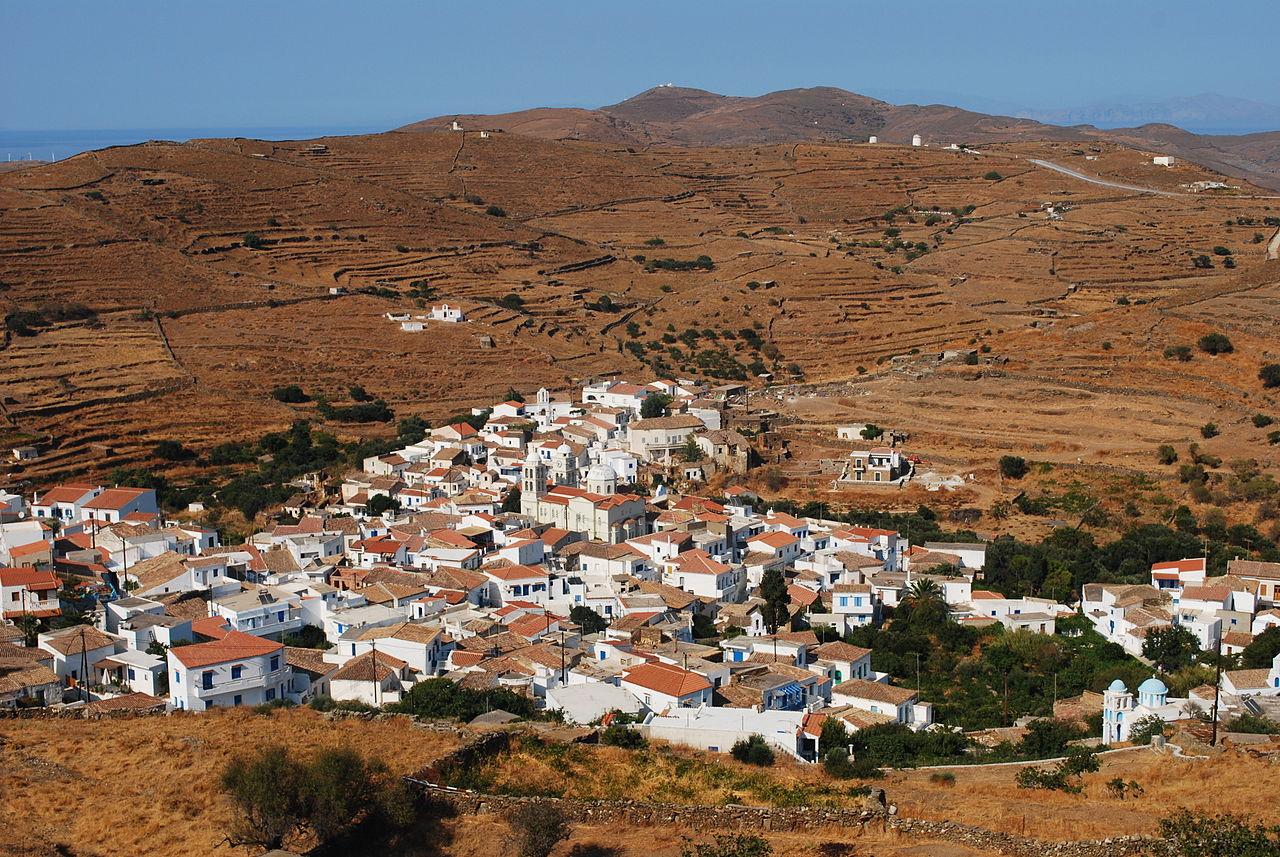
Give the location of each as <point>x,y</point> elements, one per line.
<point>655,405</point>
<point>589,620</point>
<point>290,394</point>
<point>1013,466</point>
<point>1260,653</point>
<point>691,452</point>
<point>753,750</point>
<point>1215,343</point>
<point>511,503</point>
<point>267,793</point>
<point>1145,728</point>
<point>382,503</point>
<point>1170,648</point>
<point>773,589</point>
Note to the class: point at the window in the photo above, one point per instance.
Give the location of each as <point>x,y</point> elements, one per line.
<point>236,672</point>
<point>206,680</point>
<point>177,677</point>
<point>275,662</point>
<point>131,674</point>
<point>280,616</point>
<point>271,693</point>
<point>236,700</point>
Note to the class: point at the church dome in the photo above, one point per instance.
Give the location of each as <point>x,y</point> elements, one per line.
<point>1117,686</point>
<point>1154,687</point>
<point>601,472</point>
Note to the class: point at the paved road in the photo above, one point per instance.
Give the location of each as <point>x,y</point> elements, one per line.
<point>1067,171</point>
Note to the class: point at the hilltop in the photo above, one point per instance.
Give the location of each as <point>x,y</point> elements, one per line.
<point>667,115</point>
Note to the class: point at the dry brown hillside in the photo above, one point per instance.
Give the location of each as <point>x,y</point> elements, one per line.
<point>826,259</point>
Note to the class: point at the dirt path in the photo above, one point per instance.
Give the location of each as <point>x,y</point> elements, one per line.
<point>1075,174</point>
<point>1273,249</point>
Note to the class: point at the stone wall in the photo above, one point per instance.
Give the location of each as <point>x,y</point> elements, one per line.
<point>709,819</point>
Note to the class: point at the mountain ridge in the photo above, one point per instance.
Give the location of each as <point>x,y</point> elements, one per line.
<point>687,116</point>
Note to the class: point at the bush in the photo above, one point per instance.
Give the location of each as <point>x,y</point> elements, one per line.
<point>538,828</point>
<point>276,796</point>
<point>836,763</point>
<point>291,394</point>
<point>753,751</point>
<point>735,845</point>
<point>1215,343</point>
<point>1063,776</point>
<point>172,450</point>
<point>252,240</point>
<point>1166,454</point>
<point>871,431</point>
<point>993,176</point>
<point>1270,375</point>
<point>1198,835</point>
<point>511,302</point>
<point>1221,251</point>
<point>495,211</point>
<point>1262,420</point>
<point>943,778</point>
<point>618,735</point>
<point>1181,353</point>
<point>1209,430</point>
<point>1013,466</point>
<point>1146,728</point>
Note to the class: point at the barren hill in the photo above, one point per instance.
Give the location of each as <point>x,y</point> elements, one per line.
<point>168,288</point>
<point>695,117</point>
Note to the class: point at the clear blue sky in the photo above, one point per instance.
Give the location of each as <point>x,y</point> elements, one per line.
<point>147,64</point>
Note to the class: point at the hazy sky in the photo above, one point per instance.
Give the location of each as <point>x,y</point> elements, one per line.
<point>143,64</point>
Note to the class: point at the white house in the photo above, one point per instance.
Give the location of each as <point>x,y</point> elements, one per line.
<point>238,669</point>
<point>880,698</point>
<point>660,686</point>
<point>28,592</point>
<point>445,312</point>
<point>267,611</point>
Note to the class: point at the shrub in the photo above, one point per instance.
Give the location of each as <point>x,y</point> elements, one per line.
<point>943,778</point>
<point>1254,724</point>
<point>1013,466</point>
<point>618,735</point>
<point>172,450</point>
<point>276,796</point>
<point>1215,343</point>
<point>735,845</point>
<point>753,751</point>
<point>1146,728</point>
<point>291,394</point>
<point>1221,251</point>
<point>495,211</point>
<point>252,240</point>
<point>871,431</point>
<point>1209,430</point>
<point>993,176</point>
<point>836,763</point>
<point>359,394</point>
<point>1181,353</point>
<point>1270,375</point>
<point>538,828</point>
<point>512,302</point>
<point>655,242</point>
<point>1198,835</point>
<point>1120,790</point>
<point>1262,420</point>
<point>1166,454</point>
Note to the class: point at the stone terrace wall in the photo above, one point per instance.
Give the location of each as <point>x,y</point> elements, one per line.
<point>790,819</point>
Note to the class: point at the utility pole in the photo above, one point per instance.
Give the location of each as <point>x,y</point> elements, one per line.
<point>84,667</point>
<point>563,675</point>
<point>376,681</point>
<point>918,691</point>
<point>1217,691</point>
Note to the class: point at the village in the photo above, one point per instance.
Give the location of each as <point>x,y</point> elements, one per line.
<point>543,548</point>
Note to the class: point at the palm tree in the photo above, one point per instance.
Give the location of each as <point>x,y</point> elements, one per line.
<point>924,590</point>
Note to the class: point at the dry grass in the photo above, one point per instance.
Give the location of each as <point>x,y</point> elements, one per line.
<point>987,796</point>
<point>149,785</point>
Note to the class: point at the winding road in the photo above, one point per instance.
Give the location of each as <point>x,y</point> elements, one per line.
<point>1067,171</point>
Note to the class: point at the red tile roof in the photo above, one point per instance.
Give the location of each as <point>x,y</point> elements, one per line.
<point>234,646</point>
<point>667,679</point>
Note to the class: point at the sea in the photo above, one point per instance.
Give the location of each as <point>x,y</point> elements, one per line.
<point>56,145</point>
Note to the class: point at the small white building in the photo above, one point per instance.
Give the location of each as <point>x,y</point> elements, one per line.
<point>873,139</point>
<point>1164,160</point>
<point>659,687</point>
<point>455,125</point>
<point>588,702</point>
<point>916,140</point>
<point>445,312</point>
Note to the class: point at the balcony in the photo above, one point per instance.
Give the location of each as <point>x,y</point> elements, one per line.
<point>248,681</point>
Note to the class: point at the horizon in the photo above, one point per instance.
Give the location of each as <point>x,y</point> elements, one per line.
<point>220,72</point>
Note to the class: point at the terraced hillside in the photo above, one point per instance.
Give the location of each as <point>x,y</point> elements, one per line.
<point>174,286</point>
